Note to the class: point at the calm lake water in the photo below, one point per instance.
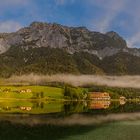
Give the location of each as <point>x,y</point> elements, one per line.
<point>96,120</point>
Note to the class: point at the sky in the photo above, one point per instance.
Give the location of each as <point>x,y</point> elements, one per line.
<point>121,16</point>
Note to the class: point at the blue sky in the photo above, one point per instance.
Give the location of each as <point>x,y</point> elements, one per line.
<point>122,16</point>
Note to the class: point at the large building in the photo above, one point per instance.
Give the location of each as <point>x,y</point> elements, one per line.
<point>99,96</point>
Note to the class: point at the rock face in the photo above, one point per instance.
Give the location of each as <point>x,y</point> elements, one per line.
<point>71,39</point>
<point>45,48</point>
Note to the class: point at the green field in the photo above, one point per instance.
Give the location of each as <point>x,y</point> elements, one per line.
<point>36,92</point>
<point>37,101</point>
<point>33,99</point>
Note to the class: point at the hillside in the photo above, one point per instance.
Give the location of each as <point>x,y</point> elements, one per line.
<point>46,48</point>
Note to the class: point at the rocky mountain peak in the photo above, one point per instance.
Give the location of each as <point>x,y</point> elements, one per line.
<point>115,36</point>
<point>50,48</point>
<point>71,39</point>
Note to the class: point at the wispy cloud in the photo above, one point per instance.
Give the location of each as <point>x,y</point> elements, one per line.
<point>122,13</point>
<point>134,40</point>
<point>62,2</point>
<point>10,3</point>
<point>110,8</point>
<point>133,10</point>
<point>100,15</point>
<point>14,2</point>
<point>9,26</point>
<point>14,12</point>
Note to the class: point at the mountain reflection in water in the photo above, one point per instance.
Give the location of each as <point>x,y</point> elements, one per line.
<point>74,127</point>
<point>75,119</point>
<point>66,108</point>
<point>69,120</point>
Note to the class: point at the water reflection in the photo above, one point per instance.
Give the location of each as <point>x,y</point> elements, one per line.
<point>100,104</point>
<point>69,120</point>
<point>66,108</point>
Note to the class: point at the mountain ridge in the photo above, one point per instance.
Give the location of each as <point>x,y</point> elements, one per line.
<point>78,50</point>
<point>72,39</point>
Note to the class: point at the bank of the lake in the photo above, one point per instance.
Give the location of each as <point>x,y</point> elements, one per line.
<point>62,92</point>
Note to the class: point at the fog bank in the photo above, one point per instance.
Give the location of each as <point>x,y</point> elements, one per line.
<point>76,119</point>
<point>78,80</point>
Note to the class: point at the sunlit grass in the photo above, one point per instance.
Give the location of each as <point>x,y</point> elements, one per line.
<point>48,92</point>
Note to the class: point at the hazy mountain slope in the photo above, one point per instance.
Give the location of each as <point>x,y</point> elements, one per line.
<point>121,63</point>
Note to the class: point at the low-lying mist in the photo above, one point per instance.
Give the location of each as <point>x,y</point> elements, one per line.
<point>77,80</point>
<point>76,119</point>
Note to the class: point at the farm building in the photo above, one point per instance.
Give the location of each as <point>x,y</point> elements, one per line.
<point>99,96</point>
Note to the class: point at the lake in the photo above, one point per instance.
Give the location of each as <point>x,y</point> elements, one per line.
<point>99,120</point>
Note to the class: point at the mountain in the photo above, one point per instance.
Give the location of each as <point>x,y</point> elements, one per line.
<point>46,48</point>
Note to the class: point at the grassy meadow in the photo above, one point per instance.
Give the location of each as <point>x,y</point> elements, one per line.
<point>36,92</point>
<point>30,99</point>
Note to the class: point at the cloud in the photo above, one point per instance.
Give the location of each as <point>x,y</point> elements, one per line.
<point>9,26</point>
<point>16,13</point>
<point>123,15</point>
<point>60,2</point>
<point>134,40</point>
<point>103,15</point>
<point>11,6</point>
<point>13,2</point>
<point>110,10</point>
<point>63,2</point>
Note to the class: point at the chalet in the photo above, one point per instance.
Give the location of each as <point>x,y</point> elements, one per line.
<point>99,96</point>
<point>99,104</point>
